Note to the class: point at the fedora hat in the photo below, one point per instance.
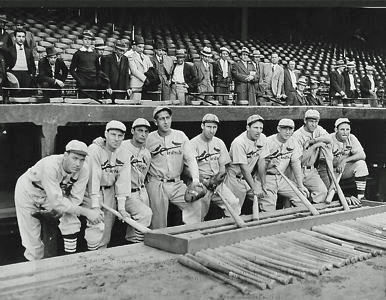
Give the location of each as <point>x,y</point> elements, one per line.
<point>51,51</point>
<point>225,49</point>
<point>302,81</point>
<point>351,64</point>
<point>139,40</point>
<point>3,18</point>
<point>370,68</point>
<point>180,53</point>
<point>206,51</point>
<point>256,53</point>
<point>245,50</point>
<point>340,63</point>
<point>88,34</point>
<point>120,45</point>
<point>99,44</point>
<point>159,45</point>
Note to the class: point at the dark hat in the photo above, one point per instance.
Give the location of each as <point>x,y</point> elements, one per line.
<point>139,40</point>
<point>3,18</point>
<point>302,81</point>
<point>99,43</point>
<point>51,51</point>
<point>340,63</point>
<point>20,22</point>
<point>159,45</point>
<point>121,45</point>
<point>88,34</point>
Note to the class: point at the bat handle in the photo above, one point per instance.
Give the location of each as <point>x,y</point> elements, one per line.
<point>255,208</point>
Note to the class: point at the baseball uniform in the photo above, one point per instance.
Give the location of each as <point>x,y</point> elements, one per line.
<point>210,156</point>
<point>244,151</point>
<point>47,185</point>
<point>287,153</point>
<point>311,178</point>
<point>168,155</point>
<point>138,204</point>
<point>110,178</point>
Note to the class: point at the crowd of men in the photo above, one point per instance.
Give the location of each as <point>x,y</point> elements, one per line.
<point>140,176</point>
<point>128,73</point>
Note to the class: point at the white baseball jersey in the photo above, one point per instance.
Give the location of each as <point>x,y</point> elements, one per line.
<point>210,155</point>
<point>140,161</point>
<point>285,152</point>
<point>348,148</point>
<point>245,151</point>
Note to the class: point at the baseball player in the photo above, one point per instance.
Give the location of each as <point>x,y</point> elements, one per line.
<point>311,137</point>
<point>57,184</point>
<point>348,157</point>
<point>212,157</point>
<point>247,150</point>
<point>283,151</point>
<point>139,157</point>
<point>169,149</point>
<point>110,178</point>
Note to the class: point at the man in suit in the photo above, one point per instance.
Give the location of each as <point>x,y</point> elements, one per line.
<point>368,85</point>
<point>24,67</point>
<point>29,38</point>
<point>222,75</point>
<point>139,64</point>
<point>204,73</point>
<point>337,86</point>
<point>313,98</point>
<point>116,68</point>
<point>350,81</point>
<point>259,66</point>
<point>273,78</point>
<point>164,66</point>
<point>52,72</point>
<point>183,78</point>
<point>244,74</point>
<point>5,37</point>
<point>290,79</point>
<point>298,98</point>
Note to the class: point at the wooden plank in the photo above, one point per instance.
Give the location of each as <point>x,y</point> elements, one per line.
<point>233,236</point>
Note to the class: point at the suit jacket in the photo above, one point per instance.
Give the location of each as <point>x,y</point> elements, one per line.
<point>118,74</point>
<point>45,71</point>
<point>311,100</point>
<point>348,92</point>
<point>218,78</point>
<point>287,84</point>
<point>365,87</point>
<point>138,68</point>
<point>6,38</point>
<point>273,80</point>
<point>165,68</point>
<point>203,84</point>
<point>189,76</point>
<point>29,57</point>
<point>245,90</point>
<point>336,83</point>
<point>294,99</point>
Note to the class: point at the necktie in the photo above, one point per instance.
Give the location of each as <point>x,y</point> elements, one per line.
<point>273,69</point>
<point>141,55</point>
<point>21,47</point>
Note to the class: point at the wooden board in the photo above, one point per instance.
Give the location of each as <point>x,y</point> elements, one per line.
<point>169,240</point>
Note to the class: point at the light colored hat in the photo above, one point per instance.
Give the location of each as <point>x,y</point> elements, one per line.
<point>370,68</point>
<point>286,123</point>
<point>206,51</point>
<point>180,53</point>
<point>140,122</point>
<point>225,49</point>
<point>312,114</point>
<point>210,118</point>
<point>257,53</point>
<point>89,34</point>
<point>99,43</point>
<point>77,147</point>
<point>351,64</point>
<point>253,119</point>
<point>245,49</point>
<point>121,45</point>
<point>161,108</point>
<point>340,63</point>
<point>3,18</point>
<point>341,121</point>
<point>116,125</point>
<point>302,81</point>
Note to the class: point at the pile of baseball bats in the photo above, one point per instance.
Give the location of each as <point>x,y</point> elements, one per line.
<point>280,259</point>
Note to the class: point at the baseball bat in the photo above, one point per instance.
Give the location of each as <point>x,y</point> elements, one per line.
<point>194,265</point>
<point>331,190</point>
<point>239,221</point>
<point>255,208</point>
<point>129,221</point>
<point>305,201</point>
<point>330,168</point>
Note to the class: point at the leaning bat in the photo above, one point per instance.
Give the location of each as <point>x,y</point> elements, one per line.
<point>305,201</point>
<point>255,208</point>
<point>129,221</point>
<point>330,168</point>
<point>331,190</point>
<point>239,221</point>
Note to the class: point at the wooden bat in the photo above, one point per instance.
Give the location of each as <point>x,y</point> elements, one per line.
<point>194,265</point>
<point>331,191</point>
<point>255,208</point>
<point>305,201</point>
<point>330,168</point>
<point>129,221</point>
<point>239,221</point>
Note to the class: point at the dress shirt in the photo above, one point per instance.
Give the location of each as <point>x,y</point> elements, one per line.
<point>371,82</point>
<point>352,84</point>
<point>224,67</point>
<point>293,78</point>
<point>178,74</point>
<point>21,60</point>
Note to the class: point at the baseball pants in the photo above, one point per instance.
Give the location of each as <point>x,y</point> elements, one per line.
<point>214,196</point>
<point>160,193</point>
<point>315,185</point>
<point>138,208</point>
<point>240,188</point>
<point>30,227</point>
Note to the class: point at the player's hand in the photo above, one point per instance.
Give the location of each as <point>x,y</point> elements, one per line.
<point>109,91</point>
<point>260,193</point>
<point>304,190</point>
<point>59,83</point>
<point>340,166</point>
<point>274,162</point>
<point>95,216</point>
<point>124,214</point>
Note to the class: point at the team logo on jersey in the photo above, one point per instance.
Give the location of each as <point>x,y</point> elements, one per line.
<point>342,152</point>
<point>205,156</point>
<point>66,186</point>
<point>108,168</point>
<point>254,153</point>
<point>281,155</point>
<point>167,150</point>
<point>138,163</point>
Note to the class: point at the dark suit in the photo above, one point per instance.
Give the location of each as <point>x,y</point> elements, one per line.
<point>365,87</point>
<point>336,83</point>
<point>288,86</point>
<point>221,84</point>
<point>117,73</point>
<point>25,78</point>
<point>350,93</point>
<point>177,91</point>
<point>47,80</point>
<point>314,100</point>
<point>164,68</point>
<point>244,90</point>
<point>294,99</point>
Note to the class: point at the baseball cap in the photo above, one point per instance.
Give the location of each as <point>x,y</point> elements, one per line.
<point>312,114</point>
<point>286,123</point>
<point>253,119</point>
<point>210,118</point>
<point>161,108</point>
<point>341,121</point>
<point>140,122</point>
<point>77,147</point>
<point>116,125</point>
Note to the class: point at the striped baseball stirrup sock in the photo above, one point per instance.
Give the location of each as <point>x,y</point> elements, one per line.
<point>92,246</point>
<point>139,236</point>
<point>70,241</point>
<point>360,183</point>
